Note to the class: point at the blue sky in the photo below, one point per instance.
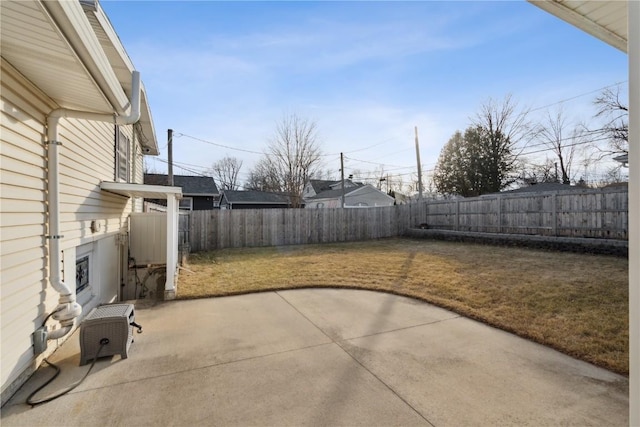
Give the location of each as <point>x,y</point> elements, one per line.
<point>366,72</point>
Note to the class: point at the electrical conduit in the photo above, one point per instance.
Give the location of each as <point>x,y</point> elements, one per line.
<point>68,309</point>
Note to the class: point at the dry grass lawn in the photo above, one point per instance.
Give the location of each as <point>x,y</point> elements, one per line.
<point>576,303</point>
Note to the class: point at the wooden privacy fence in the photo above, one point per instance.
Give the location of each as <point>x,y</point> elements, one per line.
<point>599,213</point>
<point>219,229</point>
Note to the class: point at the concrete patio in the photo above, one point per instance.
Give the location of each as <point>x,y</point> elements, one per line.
<point>322,357</point>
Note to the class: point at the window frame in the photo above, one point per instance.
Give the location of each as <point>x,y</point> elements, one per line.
<point>185,199</point>
<point>122,171</point>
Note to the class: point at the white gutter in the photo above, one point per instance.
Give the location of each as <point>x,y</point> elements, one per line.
<point>68,309</point>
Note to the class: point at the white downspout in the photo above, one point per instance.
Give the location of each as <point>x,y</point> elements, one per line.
<point>68,309</point>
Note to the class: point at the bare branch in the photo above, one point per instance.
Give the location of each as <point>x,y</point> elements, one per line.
<point>291,159</point>
<point>226,171</point>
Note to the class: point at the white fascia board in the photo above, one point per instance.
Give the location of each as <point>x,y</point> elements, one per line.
<point>141,190</point>
<point>328,199</point>
<point>582,22</point>
<point>120,61</point>
<point>70,19</point>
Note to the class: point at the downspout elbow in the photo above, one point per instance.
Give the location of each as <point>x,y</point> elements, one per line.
<point>67,311</point>
<point>134,112</point>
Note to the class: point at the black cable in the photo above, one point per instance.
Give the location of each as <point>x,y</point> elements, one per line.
<point>33,403</point>
<point>44,322</point>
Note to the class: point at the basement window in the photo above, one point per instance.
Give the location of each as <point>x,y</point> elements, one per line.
<point>83,272</point>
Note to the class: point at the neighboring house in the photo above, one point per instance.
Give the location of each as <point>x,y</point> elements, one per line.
<point>253,200</point>
<point>75,125</point>
<point>198,192</point>
<point>622,159</point>
<point>319,194</point>
<point>542,186</point>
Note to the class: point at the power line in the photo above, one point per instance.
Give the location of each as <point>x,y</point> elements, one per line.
<point>567,145</point>
<point>369,147</point>
<point>378,164</point>
<point>578,96</point>
<point>218,145</point>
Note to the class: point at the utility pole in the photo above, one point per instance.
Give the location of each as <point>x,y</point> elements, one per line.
<point>419,167</point>
<point>342,179</point>
<point>170,156</point>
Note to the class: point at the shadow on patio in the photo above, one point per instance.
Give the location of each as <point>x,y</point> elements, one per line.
<point>322,357</point>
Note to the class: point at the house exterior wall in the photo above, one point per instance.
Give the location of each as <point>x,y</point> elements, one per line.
<point>368,196</point>
<point>200,203</point>
<point>235,206</point>
<point>322,203</point>
<point>203,203</point>
<point>308,191</point>
<point>91,220</point>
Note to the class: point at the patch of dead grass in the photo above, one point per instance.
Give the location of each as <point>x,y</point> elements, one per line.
<point>576,303</point>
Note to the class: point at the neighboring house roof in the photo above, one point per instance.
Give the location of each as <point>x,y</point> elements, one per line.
<point>91,71</point>
<point>319,185</point>
<point>349,191</point>
<point>332,189</point>
<point>543,186</point>
<point>191,185</point>
<point>332,194</point>
<point>254,197</point>
<point>624,159</point>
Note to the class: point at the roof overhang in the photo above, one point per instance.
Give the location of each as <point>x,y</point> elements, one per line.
<point>141,190</point>
<point>624,159</point>
<point>606,20</point>
<point>200,194</point>
<point>70,51</point>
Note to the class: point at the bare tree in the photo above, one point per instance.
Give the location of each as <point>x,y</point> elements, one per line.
<point>293,155</point>
<point>616,114</point>
<point>226,172</point>
<point>554,133</point>
<point>264,177</point>
<point>536,173</point>
<point>373,177</point>
<point>613,175</point>
<point>505,129</point>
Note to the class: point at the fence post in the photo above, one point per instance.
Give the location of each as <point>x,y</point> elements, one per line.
<point>554,214</point>
<point>457,223</point>
<point>499,198</point>
<point>426,212</point>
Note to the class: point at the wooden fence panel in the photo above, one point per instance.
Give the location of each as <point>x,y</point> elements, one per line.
<point>588,213</point>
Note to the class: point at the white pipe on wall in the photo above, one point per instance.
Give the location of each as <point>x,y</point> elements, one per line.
<point>68,309</point>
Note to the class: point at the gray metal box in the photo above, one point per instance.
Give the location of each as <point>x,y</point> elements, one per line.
<point>113,322</point>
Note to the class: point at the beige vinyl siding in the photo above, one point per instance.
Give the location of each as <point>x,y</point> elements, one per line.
<point>86,159</point>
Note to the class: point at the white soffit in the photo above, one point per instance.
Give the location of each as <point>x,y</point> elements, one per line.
<point>74,56</point>
<point>140,190</point>
<point>606,20</point>
<point>35,46</point>
<point>122,66</point>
